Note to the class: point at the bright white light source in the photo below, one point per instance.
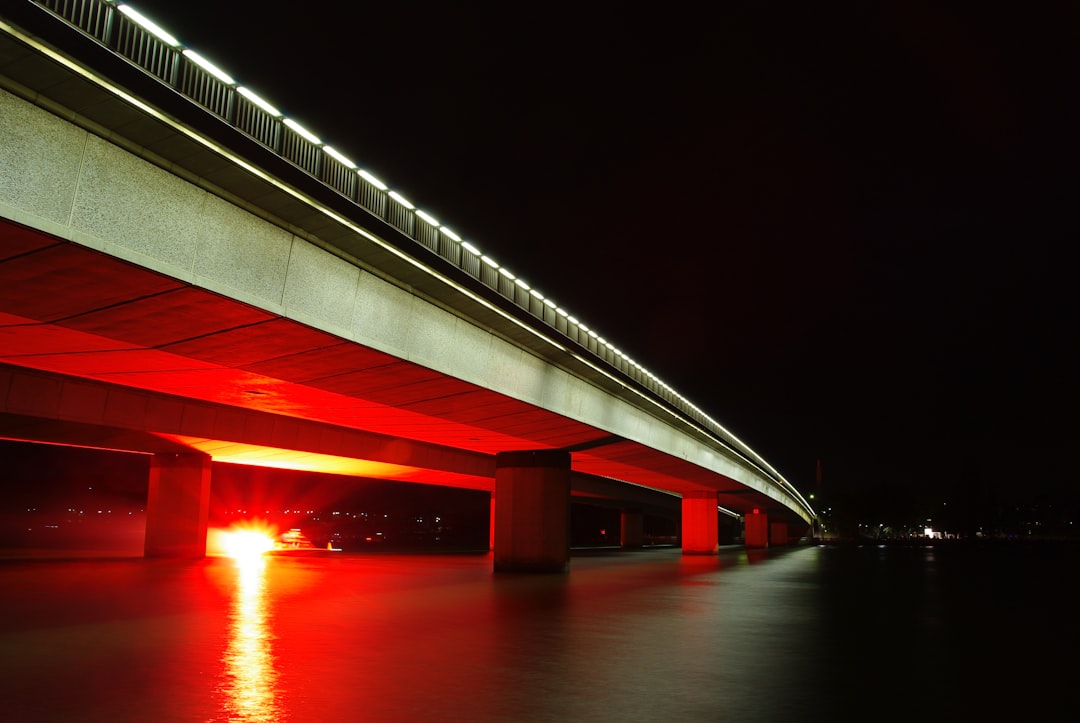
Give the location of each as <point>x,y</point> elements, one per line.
<point>522,284</point>
<point>258,101</point>
<point>489,261</point>
<point>147,24</point>
<point>371,179</point>
<point>470,248</point>
<point>428,218</point>
<point>301,131</point>
<point>208,66</point>
<point>401,199</point>
<point>334,152</point>
<point>450,234</point>
<point>506,273</point>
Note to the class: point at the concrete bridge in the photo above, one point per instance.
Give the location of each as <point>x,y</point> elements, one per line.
<point>186,273</point>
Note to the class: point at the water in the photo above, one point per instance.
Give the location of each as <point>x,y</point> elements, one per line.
<point>797,634</point>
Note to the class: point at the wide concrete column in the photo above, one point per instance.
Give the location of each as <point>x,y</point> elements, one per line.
<point>699,523</point>
<point>177,505</point>
<point>631,529</point>
<point>756,529</point>
<point>532,511</point>
<point>778,533</point>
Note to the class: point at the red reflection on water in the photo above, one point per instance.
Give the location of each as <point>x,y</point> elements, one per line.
<point>249,685</point>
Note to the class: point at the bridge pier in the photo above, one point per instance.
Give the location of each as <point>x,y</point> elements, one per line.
<point>177,505</point>
<point>700,527</point>
<point>756,529</point>
<point>631,529</point>
<point>778,533</point>
<point>532,511</point>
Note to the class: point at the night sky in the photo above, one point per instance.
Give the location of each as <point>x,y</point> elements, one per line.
<point>843,232</point>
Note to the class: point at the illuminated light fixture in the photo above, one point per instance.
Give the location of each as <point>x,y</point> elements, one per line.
<point>489,261</point>
<point>336,154</point>
<point>506,273</point>
<point>601,339</point>
<point>561,311</point>
<point>470,248</point>
<point>522,284</point>
<point>144,22</point>
<point>580,325</point>
<point>428,218</point>
<point>592,333</point>
<point>450,234</point>
<point>301,131</point>
<point>258,101</point>
<point>550,303</point>
<point>572,320</point>
<point>209,67</point>
<point>537,294</point>
<point>401,199</point>
<point>371,179</point>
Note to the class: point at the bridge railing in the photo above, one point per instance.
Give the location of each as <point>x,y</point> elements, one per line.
<point>211,88</point>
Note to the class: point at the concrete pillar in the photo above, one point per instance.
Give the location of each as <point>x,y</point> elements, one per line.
<point>631,529</point>
<point>177,505</point>
<point>756,529</point>
<point>699,523</point>
<point>532,517</point>
<point>778,533</point>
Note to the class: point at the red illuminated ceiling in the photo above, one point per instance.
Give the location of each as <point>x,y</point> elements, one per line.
<point>70,310</point>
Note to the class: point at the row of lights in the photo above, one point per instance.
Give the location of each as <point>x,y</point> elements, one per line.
<point>224,77</point>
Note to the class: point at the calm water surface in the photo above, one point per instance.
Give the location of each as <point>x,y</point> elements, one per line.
<point>800,634</point>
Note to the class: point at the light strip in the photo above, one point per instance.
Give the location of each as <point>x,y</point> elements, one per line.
<point>250,95</point>
<point>208,67</point>
<point>428,218</point>
<point>371,179</point>
<point>301,131</point>
<point>401,199</point>
<point>144,22</point>
<point>334,152</point>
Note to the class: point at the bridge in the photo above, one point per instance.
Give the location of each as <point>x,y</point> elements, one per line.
<point>189,274</point>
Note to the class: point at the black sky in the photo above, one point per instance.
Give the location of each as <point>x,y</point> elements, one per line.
<point>845,232</point>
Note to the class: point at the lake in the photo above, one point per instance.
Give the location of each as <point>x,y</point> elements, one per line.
<point>846,632</point>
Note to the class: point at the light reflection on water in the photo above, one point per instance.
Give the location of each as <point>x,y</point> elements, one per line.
<point>808,634</point>
<point>250,675</point>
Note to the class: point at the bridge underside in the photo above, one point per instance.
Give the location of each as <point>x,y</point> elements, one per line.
<point>246,386</point>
